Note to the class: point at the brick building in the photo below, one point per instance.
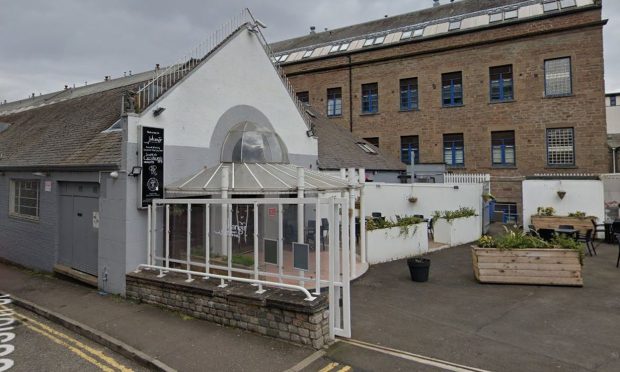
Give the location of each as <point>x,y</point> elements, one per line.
<point>506,87</point>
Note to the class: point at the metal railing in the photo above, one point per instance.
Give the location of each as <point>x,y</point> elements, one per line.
<point>466,177</point>
<point>164,79</point>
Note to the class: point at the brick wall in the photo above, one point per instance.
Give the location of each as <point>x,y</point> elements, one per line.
<point>276,313</point>
<point>525,46</point>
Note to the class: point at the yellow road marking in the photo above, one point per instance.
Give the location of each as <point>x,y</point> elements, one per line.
<point>328,367</point>
<point>75,350</point>
<point>345,369</point>
<point>98,353</point>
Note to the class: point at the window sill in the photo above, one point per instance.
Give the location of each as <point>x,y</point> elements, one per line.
<point>455,166</point>
<point>334,116</point>
<point>452,106</point>
<point>559,96</point>
<point>500,102</point>
<point>412,110</point>
<point>561,167</point>
<point>21,217</point>
<point>501,166</point>
<point>369,113</point>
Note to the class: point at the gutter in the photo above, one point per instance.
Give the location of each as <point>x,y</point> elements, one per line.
<point>58,168</point>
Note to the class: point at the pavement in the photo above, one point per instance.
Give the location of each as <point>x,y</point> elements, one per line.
<point>494,327</point>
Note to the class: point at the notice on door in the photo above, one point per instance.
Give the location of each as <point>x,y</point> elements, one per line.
<point>152,158</point>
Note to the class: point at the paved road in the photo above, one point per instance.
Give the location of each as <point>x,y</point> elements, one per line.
<point>44,346</point>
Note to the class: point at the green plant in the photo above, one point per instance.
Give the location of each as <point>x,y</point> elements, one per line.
<point>545,211</point>
<point>239,259</point>
<point>404,223</point>
<point>486,241</point>
<point>578,214</point>
<point>462,212</point>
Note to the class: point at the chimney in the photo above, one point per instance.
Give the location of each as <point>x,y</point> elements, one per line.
<point>106,78</point>
<point>435,3</point>
<point>312,30</point>
<point>66,87</point>
<point>157,66</point>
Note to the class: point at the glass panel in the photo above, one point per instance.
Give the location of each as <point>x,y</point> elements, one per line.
<point>568,3</point>
<point>454,25</point>
<point>379,40</point>
<point>283,58</point>
<point>560,146</point>
<point>307,54</point>
<point>511,14</point>
<point>368,42</point>
<point>344,46</point>
<point>558,77</point>
<point>549,6</point>
<point>334,49</point>
<point>496,17</point>
<point>419,32</point>
<point>406,35</point>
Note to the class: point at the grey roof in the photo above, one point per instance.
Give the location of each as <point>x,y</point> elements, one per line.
<point>338,148</point>
<point>425,15</point>
<point>251,178</point>
<point>69,133</point>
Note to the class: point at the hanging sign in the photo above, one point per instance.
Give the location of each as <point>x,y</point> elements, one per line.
<point>152,162</point>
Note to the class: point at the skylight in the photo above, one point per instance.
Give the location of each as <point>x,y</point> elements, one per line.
<point>419,32</point>
<point>367,149</point>
<point>368,42</point>
<point>406,35</point>
<point>496,17</point>
<point>344,46</point>
<point>550,6</point>
<point>511,14</point>
<point>379,40</point>
<point>307,54</point>
<point>568,3</point>
<point>454,25</point>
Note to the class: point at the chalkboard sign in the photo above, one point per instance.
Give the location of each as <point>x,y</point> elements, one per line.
<point>271,251</point>
<point>152,157</point>
<point>301,256</point>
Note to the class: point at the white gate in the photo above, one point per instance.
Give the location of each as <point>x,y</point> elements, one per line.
<point>261,241</point>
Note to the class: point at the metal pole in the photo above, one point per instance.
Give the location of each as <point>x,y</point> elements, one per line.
<point>148,234</point>
<point>362,214</point>
<point>332,259</point>
<point>318,235</point>
<point>207,239</point>
<point>224,214</point>
<point>153,233</point>
<point>614,157</point>
<point>346,243</point>
<point>351,217</point>
<point>189,242</point>
<point>260,286</point>
<point>280,243</point>
<point>300,213</point>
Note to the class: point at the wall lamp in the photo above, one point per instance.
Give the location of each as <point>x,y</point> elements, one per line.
<point>158,111</point>
<point>135,171</point>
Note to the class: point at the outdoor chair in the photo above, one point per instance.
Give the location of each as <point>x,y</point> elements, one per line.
<point>431,231</point>
<point>533,232</point>
<point>587,240</point>
<point>567,227</point>
<point>311,230</point>
<point>546,234</point>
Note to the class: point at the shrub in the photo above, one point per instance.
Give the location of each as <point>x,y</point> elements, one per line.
<point>545,211</point>
<point>578,214</point>
<point>462,212</point>
<point>377,224</point>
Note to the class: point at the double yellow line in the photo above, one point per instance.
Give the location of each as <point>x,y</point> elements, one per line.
<point>332,366</point>
<point>94,356</point>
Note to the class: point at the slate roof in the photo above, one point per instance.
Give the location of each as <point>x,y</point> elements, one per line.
<point>446,10</point>
<point>338,148</point>
<point>64,134</point>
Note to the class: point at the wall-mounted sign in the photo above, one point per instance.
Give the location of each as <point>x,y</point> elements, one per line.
<point>271,212</point>
<point>271,251</point>
<point>152,162</point>
<point>301,256</point>
<point>48,186</point>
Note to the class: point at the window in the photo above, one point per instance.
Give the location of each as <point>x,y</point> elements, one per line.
<point>370,98</point>
<point>409,145</point>
<point>503,147</point>
<point>418,32</point>
<point>379,40</point>
<point>496,17</point>
<point>344,46</point>
<point>303,96</point>
<point>368,42</point>
<point>334,102</point>
<point>550,5</point>
<point>408,94</point>
<point>612,100</point>
<point>501,83</point>
<point>511,14</point>
<point>24,198</point>
<point>373,141</point>
<point>452,89</point>
<point>367,149</point>
<point>307,54</point>
<point>560,146</point>
<point>509,210</point>
<point>453,149</point>
<point>406,35</point>
<point>334,48</point>
<point>568,3</point>
<point>558,77</point>
<point>454,25</point>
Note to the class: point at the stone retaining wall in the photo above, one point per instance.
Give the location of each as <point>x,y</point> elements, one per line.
<point>277,313</point>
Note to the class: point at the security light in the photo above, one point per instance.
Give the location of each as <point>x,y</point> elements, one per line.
<point>135,171</point>
<point>158,111</point>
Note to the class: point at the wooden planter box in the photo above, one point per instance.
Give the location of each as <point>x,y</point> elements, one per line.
<point>527,266</point>
<point>552,222</point>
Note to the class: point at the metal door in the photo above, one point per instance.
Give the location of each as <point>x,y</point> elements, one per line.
<point>79,226</point>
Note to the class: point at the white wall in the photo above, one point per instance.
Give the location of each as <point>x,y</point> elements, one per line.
<point>457,231</point>
<point>613,117</point>
<point>392,199</point>
<point>392,244</point>
<point>581,195</point>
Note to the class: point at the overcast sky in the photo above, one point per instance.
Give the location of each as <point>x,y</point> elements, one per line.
<point>45,44</point>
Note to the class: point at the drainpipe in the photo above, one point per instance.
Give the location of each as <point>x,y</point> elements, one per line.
<point>350,95</point>
<point>613,150</point>
<point>352,245</point>
<point>362,183</point>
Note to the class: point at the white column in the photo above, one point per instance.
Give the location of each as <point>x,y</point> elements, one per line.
<point>352,241</point>
<point>343,173</point>
<point>300,213</point>
<point>207,239</point>
<point>362,184</point>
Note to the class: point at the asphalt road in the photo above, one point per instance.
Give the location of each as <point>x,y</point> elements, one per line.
<point>44,346</point>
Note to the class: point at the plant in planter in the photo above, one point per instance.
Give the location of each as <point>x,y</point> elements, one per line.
<point>412,199</point>
<point>545,211</point>
<point>388,240</point>
<point>462,212</point>
<point>578,214</point>
<point>456,227</point>
<point>518,258</point>
<point>404,223</point>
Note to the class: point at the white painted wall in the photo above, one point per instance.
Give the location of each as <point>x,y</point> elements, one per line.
<point>390,244</point>
<point>240,73</point>
<point>613,116</point>
<point>581,195</point>
<point>392,199</point>
<point>457,231</point>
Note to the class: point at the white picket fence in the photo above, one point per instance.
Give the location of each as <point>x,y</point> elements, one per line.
<point>466,177</point>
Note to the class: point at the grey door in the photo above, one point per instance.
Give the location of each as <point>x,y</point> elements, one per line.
<point>79,208</point>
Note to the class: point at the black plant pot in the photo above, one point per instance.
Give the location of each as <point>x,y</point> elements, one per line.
<point>419,268</point>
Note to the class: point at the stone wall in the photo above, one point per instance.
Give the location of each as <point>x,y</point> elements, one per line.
<point>279,313</point>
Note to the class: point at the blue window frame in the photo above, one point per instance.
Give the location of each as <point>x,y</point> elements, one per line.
<point>510,211</point>
<point>409,145</point>
<point>452,89</point>
<point>408,94</point>
<point>454,149</point>
<point>500,79</point>
<point>370,98</point>
<point>503,148</point>
<point>334,102</point>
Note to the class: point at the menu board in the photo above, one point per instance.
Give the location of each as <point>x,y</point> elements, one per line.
<point>152,158</point>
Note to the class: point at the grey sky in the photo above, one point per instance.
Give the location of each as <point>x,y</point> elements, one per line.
<point>47,44</point>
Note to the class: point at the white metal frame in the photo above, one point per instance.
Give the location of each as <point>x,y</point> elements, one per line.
<point>339,251</point>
